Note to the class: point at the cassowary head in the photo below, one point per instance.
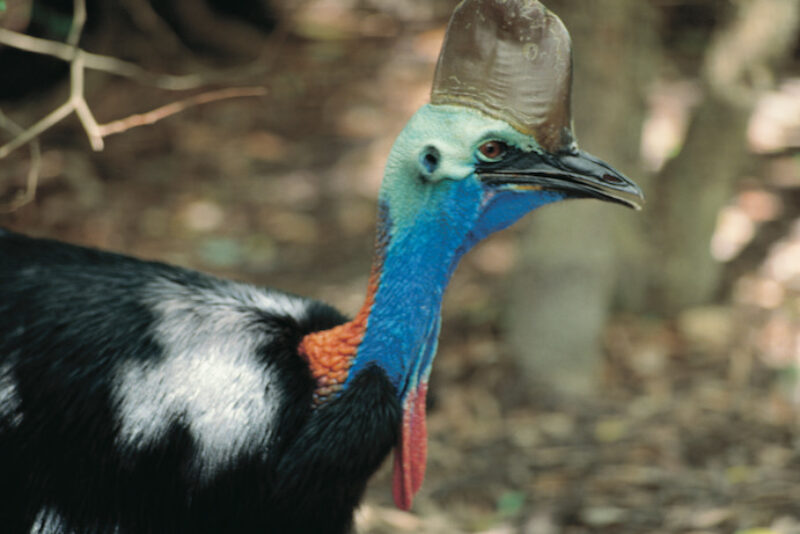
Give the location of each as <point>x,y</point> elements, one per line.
<point>496,139</point>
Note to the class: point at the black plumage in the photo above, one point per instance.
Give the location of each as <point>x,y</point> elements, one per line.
<point>62,462</point>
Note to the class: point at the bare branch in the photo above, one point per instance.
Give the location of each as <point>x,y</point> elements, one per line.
<point>170,82</point>
<point>78,20</point>
<point>81,107</point>
<point>52,118</point>
<point>26,196</point>
<point>89,124</point>
<point>35,44</point>
<point>102,63</point>
<point>76,102</point>
<point>151,117</point>
<point>80,60</point>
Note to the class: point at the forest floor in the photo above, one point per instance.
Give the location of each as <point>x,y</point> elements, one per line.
<point>674,442</point>
<point>691,430</point>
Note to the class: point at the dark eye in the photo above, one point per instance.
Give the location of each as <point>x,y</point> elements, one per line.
<point>492,150</point>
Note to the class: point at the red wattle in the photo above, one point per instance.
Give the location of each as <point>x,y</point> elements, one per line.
<point>412,450</point>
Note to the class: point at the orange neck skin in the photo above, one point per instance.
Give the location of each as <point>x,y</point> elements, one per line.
<point>330,353</point>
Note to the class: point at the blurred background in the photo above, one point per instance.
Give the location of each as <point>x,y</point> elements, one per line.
<point>600,370</point>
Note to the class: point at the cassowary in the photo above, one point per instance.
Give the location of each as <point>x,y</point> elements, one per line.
<point>137,397</point>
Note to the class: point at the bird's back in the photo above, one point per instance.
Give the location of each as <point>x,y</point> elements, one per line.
<point>139,397</point>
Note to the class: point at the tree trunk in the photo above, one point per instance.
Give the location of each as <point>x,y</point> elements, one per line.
<point>566,277</point>
<point>700,180</point>
<point>577,260</point>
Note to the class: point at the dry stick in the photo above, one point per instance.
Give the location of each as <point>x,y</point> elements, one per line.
<point>73,103</point>
<point>68,52</point>
<point>77,73</point>
<point>100,62</point>
<point>36,45</point>
<point>32,181</point>
<point>96,132</point>
<point>79,61</point>
<point>78,100</point>
<point>78,20</point>
<point>34,131</point>
<point>151,117</point>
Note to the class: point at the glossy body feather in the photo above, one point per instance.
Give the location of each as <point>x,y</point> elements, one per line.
<point>166,418</point>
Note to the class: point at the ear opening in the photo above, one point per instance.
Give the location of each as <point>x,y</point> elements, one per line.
<point>429,159</point>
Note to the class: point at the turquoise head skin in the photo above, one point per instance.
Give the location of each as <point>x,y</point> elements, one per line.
<point>454,176</point>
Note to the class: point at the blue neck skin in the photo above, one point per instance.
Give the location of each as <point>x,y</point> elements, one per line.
<point>403,326</point>
<point>434,210</point>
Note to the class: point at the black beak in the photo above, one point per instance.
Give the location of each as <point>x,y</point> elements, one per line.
<point>576,173</point>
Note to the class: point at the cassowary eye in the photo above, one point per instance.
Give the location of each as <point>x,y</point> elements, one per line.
<point>492,150</point>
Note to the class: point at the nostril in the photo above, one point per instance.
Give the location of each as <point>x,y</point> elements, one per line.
<point>429,159</point>
<point>611,179</point>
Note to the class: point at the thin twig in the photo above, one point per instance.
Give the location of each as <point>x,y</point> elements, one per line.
<point>78,21</point>
<point>80,60</point>
<point>32,181</point>
<point>89,125</point>
<point>52,118</point>
<point>151,117</point>
<point>36,45</point>
<point>102,63</point>
<point>81,107</point>
<point>57,115</point>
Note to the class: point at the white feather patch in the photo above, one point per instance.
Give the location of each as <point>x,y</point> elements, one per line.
<point>210,378</point>
<point>49,521</point>
<point>10,402</point>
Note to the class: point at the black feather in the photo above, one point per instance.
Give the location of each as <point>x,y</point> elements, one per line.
<point>72,317</point>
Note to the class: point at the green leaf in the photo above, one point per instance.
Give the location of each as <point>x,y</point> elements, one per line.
<point>2,5</point>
